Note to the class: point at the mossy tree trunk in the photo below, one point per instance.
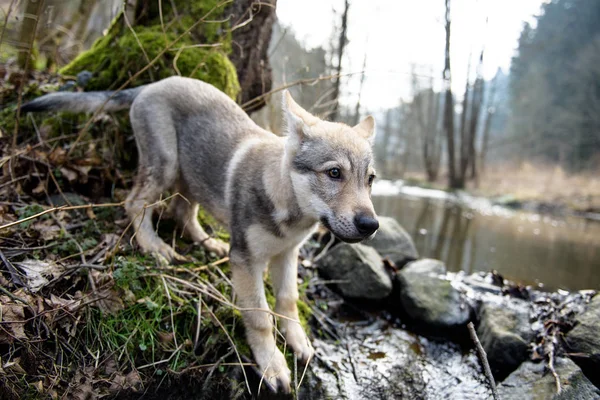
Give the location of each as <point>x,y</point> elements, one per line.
<point>219,49</point>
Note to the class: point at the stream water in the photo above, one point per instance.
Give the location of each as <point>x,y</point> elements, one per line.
<point>472,234</point>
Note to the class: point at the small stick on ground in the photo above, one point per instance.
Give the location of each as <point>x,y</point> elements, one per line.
<point>483,358</point>
<point>551,364</point>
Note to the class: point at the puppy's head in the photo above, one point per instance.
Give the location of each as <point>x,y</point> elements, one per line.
<point>332,171</point>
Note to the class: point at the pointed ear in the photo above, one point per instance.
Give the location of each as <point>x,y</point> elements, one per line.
<point>366,128</point>
<point>297,120</point>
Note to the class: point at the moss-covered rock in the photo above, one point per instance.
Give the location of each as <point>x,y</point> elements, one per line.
<point>114,59</point>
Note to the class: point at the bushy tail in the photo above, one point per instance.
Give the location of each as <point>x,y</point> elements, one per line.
<point>83,101</point>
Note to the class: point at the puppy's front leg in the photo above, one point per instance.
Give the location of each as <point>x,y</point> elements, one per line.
<point>284,273</point>
<point>249,287</point>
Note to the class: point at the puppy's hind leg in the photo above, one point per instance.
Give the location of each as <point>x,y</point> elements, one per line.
<point>186,212</point>
<point>158,169</point>
<point>139,209</point>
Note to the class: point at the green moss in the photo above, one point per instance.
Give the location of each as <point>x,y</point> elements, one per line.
<point>114,61</point>
<point>117,56</point>
<point>206,219</point>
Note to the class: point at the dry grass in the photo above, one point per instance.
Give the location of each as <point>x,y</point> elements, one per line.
<point>542,183</point>
<point>529,182</point>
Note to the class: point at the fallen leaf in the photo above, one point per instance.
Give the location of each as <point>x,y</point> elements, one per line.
<point>38,272</point>
<point>13,321</point>
<point>14,366</point>
<point>47,229</point>
<point>39,386</point>
<point>69,174</point>
<point>40,188</point>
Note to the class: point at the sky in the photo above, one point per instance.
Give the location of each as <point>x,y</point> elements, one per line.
<point>399,35</point>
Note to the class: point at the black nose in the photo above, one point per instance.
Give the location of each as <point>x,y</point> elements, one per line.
<point>366,225</point>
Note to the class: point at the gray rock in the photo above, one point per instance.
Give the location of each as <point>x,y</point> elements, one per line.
<point>429,298</point>
<point>360,267</point>
<point>378,361</point>
<point>505,333</point>
<point>534,381</point>
<point>584,338</point>
<point>393,242</point>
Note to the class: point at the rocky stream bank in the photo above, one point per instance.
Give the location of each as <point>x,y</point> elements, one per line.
<point>401,330</point>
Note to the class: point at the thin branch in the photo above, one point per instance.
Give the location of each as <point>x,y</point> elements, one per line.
<point>483,358</point>
<point>306,81</point>
<point>60,208</point>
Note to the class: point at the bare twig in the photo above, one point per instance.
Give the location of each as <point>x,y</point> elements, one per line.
<point>232,344</point>
<point>60,208</point>
<point>198,321</point>
<point>307,81</point>
<point>551,362</point>
<point>170,309</point>
<point>483,358</point>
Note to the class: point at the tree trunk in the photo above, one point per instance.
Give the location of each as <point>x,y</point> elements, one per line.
<point>224,44</point>
<point>476,104</point>
<point>251,43</point>
<point>449,106</point>
<point>33,11</point>
<point>463,147</point>
<point>356,118</point>
<point>340,55</point>
<point>487,126</point>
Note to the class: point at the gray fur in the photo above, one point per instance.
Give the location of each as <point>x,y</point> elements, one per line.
<point>269,191</point>
<point>83,101</point>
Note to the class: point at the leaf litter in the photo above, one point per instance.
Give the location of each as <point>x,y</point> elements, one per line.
<point>83,315</point>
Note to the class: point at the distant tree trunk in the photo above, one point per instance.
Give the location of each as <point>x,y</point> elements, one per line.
<point>488,123</point>
<point>425,113</point>
<point>360,89</point>
<point>476,104</point>
<point>385,144</point>
<point>340,54</point>
<point>33,11</point>
<point>449,104</point>
<point>463,147</point>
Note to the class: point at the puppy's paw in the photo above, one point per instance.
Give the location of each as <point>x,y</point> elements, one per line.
<point>166,255</point>
<point>275,371</point>
<point>221,249</point>
<point>296,338</point>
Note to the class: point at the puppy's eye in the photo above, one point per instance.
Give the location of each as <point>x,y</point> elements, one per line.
<point>334,173</point>
<point>371,179</point>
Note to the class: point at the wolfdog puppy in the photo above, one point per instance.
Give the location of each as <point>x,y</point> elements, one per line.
<point>270,191</point>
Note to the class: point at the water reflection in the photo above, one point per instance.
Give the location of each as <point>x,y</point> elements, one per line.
<point>561,253</point>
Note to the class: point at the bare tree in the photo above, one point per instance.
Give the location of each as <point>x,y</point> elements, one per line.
<point>360,89</point>
<point>488,124</point>
<point>449,103</point>
<point>425,109</point>
<point>476,104</point>
<point>340,55</point>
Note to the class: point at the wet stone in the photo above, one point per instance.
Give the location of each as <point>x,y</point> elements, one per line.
<point>584,339</point>
<point>393,242</point>
<point>359,269</point>
<point>429,298</point>
<point>534,381</point>
<point>382,362</point>
<point>505,333</point>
